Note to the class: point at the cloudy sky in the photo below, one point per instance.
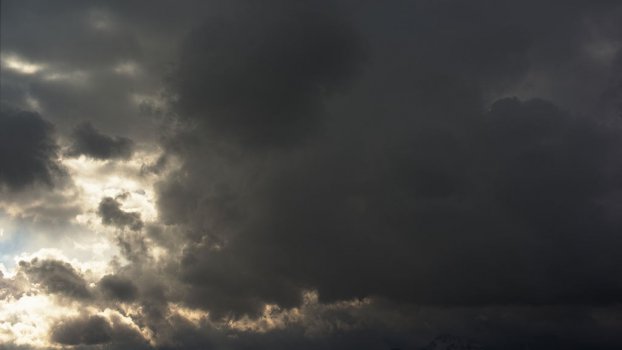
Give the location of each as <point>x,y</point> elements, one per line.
<point>311,174</point>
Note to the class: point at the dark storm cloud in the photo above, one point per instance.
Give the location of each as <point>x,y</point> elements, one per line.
<point>118,288</point>
<point>88,141</point>
<point>94,329</point>
<point>415,191</point>
<point>111,213</point>
<point>264,82</point>
<point>497,216</point>
<point>28,150</point>
<point>57,277</point>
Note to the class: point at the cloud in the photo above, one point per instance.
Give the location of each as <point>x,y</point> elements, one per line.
<point>96,329</point>
<point>425,186</point>
<point>110,211</point>
<point>263,82</point>
<point>28,150</point>
<point>88,141</point>
<point>456,204</point>
<point>56,277</point>
<point>92,330</point>
<point>118,288</point>
<point>11,287</point>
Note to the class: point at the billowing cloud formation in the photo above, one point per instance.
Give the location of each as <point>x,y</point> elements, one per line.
<point>417,193</point>
<point>352,175</point>
<point>461,223</point>
<point>28,150</point>
<point>56,277</point>
<point>86,140</point>
<point>91,330</point>
<point>415,184</point>
<point>110,211</point>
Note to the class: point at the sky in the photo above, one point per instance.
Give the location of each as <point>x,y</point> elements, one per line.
<point>354,174</point>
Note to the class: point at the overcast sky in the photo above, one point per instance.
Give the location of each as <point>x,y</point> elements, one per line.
<point>311,174</point>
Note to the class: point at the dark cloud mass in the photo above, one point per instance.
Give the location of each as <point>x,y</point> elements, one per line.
<point>57,277</point>
<point>118,287</point>
<point>28,150</point>
<point>496,219</point>
<point>86,140</point>
<point>349,175</point>
<point>93,330</point>
<point>111,213</point>
<point>481,207</point>
<point>263,82</point>
<point>417,193</point>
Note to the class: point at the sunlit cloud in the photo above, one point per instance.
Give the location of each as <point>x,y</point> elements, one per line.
<point>93,268</point>
<point>26,320</point>
<point>97,179</point>
<point>43,71</point>
<point>20,65</point>
<point>82,239</point>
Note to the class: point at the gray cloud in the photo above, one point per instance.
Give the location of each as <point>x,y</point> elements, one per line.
<point>416,189</point>
<point>461,223</point>
<point>28,150</point>
<point>118,288</point>
<point>57,277</point>
<point>93,330</point>
<point>110,211</point>
<point>263,82</point>
<point>88,141</point>
<point>415,183</point>
<point>83,49</point>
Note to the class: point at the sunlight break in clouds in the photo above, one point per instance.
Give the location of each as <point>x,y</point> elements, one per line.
<point>18,65</point>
